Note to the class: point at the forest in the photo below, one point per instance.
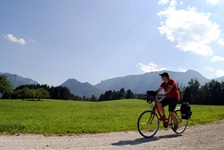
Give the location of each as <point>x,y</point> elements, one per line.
<point>212,93</point>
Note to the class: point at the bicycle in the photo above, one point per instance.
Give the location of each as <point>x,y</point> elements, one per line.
<point>149,120</point>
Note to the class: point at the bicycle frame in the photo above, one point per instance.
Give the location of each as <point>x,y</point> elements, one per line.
<point>166,121</point>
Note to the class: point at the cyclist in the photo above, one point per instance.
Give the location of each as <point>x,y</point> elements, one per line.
<point>172,96</point>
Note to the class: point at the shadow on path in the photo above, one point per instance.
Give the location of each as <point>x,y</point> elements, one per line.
<point>144,140</point>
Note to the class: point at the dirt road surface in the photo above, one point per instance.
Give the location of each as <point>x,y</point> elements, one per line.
<point>201,137</point>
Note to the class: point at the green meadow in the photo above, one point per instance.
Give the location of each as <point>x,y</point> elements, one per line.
<point>62,117</point>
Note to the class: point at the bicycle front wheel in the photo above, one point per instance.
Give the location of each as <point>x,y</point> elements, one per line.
<point>182,123</point>
<point>148,124</point>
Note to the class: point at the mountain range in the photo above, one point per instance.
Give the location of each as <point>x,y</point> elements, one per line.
<point>137,83</point>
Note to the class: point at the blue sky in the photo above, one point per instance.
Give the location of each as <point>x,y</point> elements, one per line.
<point>51,41</point>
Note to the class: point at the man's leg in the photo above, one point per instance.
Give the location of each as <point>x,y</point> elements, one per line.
<point>160,105</point>
<point>174,117</point>
<point>161,109</point>
<point>172,106</point>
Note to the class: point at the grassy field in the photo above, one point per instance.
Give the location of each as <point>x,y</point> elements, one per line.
<point>75,117</point>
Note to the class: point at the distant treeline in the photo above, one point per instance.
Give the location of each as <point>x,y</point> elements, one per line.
<point>113,95</point>
<point>43,91</point>
<point>212,93</point>
<point>37,91</point>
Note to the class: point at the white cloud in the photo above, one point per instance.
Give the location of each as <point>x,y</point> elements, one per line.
<point>151,67</point>
<point>163,2</point>
<point>210,69</point>
<point>212,2</point>
<point>192,31</point>
<point>217,58</point>
<point>12,38</point>
<point>221,41</point>
<point>219,72</point>
<point>182,69</point>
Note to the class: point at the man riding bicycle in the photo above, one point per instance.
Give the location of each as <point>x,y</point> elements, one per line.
<point>172,96</point>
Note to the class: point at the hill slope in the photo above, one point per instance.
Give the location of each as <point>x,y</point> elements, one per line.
<point>16,80</point>
<point>81,89</point>
<point>152,80</point>
<point>220,79</point>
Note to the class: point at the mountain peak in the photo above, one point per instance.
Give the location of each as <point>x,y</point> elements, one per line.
<point>81,89</point>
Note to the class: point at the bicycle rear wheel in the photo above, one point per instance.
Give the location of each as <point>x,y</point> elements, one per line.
<point>148,124</point>
<point>182,123</point>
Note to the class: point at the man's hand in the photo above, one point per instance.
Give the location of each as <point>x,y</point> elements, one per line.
<point>163,94</point>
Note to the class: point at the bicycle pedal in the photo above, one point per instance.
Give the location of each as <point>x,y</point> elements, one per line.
<point>165,125</point>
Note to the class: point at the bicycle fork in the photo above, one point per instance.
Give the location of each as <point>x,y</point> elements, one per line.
<point>152,116</point>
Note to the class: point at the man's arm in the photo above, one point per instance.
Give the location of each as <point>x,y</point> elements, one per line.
<point>169,89</point>
<point>159,89</point>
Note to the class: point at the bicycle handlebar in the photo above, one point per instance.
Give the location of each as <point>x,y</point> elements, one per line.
<point>153,96</point>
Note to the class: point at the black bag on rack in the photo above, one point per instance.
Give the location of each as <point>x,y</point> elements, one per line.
<point>185,110</point>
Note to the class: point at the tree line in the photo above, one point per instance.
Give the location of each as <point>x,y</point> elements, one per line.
<point>34,91</point>
<point>113,95</point>
<point>212,93</point>
<point>42,91</point>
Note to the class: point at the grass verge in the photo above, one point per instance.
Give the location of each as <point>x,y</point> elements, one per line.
<point>76,117</point>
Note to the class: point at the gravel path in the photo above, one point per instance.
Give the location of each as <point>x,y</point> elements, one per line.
<point>201,137</point>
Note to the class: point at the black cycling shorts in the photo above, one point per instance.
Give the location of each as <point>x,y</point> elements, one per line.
<point>171,102</point>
